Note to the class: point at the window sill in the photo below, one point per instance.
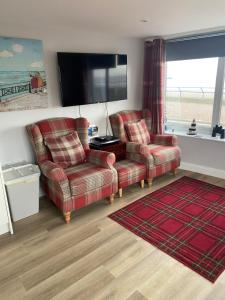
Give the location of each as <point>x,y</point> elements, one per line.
<point>198,136</point>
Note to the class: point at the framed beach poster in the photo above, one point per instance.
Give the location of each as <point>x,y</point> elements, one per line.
<point>22,74</point>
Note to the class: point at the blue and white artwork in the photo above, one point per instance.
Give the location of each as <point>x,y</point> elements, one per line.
<point>22,74</point>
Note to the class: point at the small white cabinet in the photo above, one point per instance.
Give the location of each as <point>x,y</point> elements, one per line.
<point>5,220</point>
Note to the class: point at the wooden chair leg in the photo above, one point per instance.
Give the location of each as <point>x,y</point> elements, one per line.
<point>120,193</point>
<point>111,199</point>
<point>142,183</point>
<point>150,182</point>
<point>174,172</point>
<point>67,217</point>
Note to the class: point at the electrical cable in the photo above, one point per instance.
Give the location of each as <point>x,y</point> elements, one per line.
<point>79,112</point>
<point>107,119</point>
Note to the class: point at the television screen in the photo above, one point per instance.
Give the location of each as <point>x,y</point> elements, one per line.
<point>87,78</point>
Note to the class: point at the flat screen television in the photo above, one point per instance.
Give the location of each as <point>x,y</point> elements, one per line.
<point>87,78</point>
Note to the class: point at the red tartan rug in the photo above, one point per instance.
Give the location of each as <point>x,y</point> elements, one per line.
<point>185,219</point>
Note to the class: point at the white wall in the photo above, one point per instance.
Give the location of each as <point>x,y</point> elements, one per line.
<point>199,155</point>
<point>203,155</point>
<point>14,145</point>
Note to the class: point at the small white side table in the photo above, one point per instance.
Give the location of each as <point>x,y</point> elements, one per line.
<point>5,218</point>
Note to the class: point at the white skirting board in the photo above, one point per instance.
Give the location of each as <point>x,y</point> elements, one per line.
<point>203,170</point>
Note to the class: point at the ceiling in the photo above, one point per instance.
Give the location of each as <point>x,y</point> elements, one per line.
<point>117,17</point>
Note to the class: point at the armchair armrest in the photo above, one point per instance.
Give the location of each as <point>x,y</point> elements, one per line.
<point>101,158</point>
<point>139,153</point>
<point>136,148</point>
<point>53,171</point>
<point>164,139</point>
<point>132,147</point>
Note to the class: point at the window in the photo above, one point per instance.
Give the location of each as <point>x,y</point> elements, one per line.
<point>195,81</point>
<point>195,89</point>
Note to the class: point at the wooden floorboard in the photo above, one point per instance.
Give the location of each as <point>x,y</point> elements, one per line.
<point>93,257</point>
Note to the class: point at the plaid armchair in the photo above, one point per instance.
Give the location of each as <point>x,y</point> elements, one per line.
<point>76,186</point>
<point>162,153</point>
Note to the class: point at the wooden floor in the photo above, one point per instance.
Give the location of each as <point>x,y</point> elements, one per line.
<point>95,258</point>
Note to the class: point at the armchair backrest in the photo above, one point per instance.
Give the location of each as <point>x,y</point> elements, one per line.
<point>55,127</point>
<point>119,119</point>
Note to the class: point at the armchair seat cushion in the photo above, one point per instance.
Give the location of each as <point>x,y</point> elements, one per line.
<point>163,154</point>
<point>86,177</point>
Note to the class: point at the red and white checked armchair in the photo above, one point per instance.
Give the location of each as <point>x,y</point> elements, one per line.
<point>160,155</point>
<point>79,185</point>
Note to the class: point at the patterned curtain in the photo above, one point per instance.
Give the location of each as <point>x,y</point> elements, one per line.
<point>153,94</point>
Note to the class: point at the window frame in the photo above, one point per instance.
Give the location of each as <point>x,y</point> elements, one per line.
<point>218,95</point>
